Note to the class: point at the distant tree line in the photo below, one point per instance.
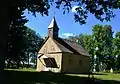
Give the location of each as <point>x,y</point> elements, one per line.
<point>22,42</point>
<point>22,47</point>
<point>104,49</point>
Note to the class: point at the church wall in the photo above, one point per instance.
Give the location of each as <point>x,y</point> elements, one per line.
<point>57,56</point>
<point>49,49</point>
<point>72,63</point>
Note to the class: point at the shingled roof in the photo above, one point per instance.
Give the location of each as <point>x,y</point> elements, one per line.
<point>71,46</point>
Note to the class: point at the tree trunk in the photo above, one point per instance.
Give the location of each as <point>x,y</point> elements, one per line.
<point>34,60</point>
<point>28,61</point>
<point>23,64</point>
<point>3,37</point>
<point>18,64</point>
<point>8,65</point>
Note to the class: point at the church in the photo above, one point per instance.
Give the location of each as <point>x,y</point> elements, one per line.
<point>61,55</point>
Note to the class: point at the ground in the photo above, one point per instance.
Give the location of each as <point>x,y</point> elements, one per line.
<point>30,76</point>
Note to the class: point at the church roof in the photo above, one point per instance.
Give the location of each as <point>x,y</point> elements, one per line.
<point>71,46</point>
<point>53,24</point>
<point>62,48</point>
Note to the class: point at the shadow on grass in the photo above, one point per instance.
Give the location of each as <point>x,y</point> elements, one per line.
<point>92,73</point>
<point>21,77</point>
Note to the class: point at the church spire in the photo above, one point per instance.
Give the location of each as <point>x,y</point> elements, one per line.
<point>53,24</point>
<point>53,29</point>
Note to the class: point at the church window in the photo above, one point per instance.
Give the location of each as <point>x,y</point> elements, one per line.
<point>70,60</point>
<point>80,62</point>
<point>52,48</point>
<point>50,62</point>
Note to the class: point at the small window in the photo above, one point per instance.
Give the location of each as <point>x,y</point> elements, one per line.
<point>52,48</point>
<point>50,62</point>
<point>80,62</point>
<point>70,60</point>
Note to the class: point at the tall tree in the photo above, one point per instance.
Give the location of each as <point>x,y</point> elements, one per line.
<point>103,37</point>
<point>98,45</point>
<point>34,43</point>
<point>16,38</point>
<point>107,41</point>
<point>116,51</point>
<point>22,43</point>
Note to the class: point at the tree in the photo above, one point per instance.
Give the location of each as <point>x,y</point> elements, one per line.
<point>116,51</point>
<point>34,43</point>
<point>22,43</point>
<point>101,45</point>
<point>16,39</point>
<point>103,37</point>
<point>108,48</point>
<point>78,39</point>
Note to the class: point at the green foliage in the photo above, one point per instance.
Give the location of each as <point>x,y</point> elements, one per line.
<point>103,37</point>
<point>34,43</point>
<point>23,43</point>
<point>101,9</point>
<point>102,44</point>
<point>116,51</point>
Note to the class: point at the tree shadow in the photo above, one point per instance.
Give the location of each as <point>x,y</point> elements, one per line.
<point>100,74</point>
<point>90,73</point>
<point>22,77</point>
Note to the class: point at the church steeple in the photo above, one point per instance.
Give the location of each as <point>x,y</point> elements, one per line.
<point>53,29</point>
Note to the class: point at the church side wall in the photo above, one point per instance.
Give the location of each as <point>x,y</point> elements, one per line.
<point>72,63</point>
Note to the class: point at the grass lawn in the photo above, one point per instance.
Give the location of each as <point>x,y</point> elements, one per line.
<point>109,76</point>
<point>23,69</point>
<point>101,76</point>
<point>30,76</point>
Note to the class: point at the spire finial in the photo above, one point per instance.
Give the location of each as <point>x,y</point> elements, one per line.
<point>54,14</point>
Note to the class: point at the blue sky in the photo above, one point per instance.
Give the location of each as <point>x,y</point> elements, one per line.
<point>67,24</point>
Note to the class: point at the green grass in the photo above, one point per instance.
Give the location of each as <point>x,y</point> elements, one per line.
<point>109,76</point>
<point>101,76</point>
<point>23,69</point>
<point>31,76</point>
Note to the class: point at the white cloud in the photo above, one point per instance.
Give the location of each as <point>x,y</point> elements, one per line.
<point>66,35</point>
<point>73,9</point>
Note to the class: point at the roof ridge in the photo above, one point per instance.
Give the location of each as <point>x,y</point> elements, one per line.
<point>67,46</point>
<point>70,40</point>
<point>61,45</point>
<point>73,46</point>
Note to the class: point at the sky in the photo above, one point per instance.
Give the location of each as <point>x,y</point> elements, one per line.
<point>66,23</point>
